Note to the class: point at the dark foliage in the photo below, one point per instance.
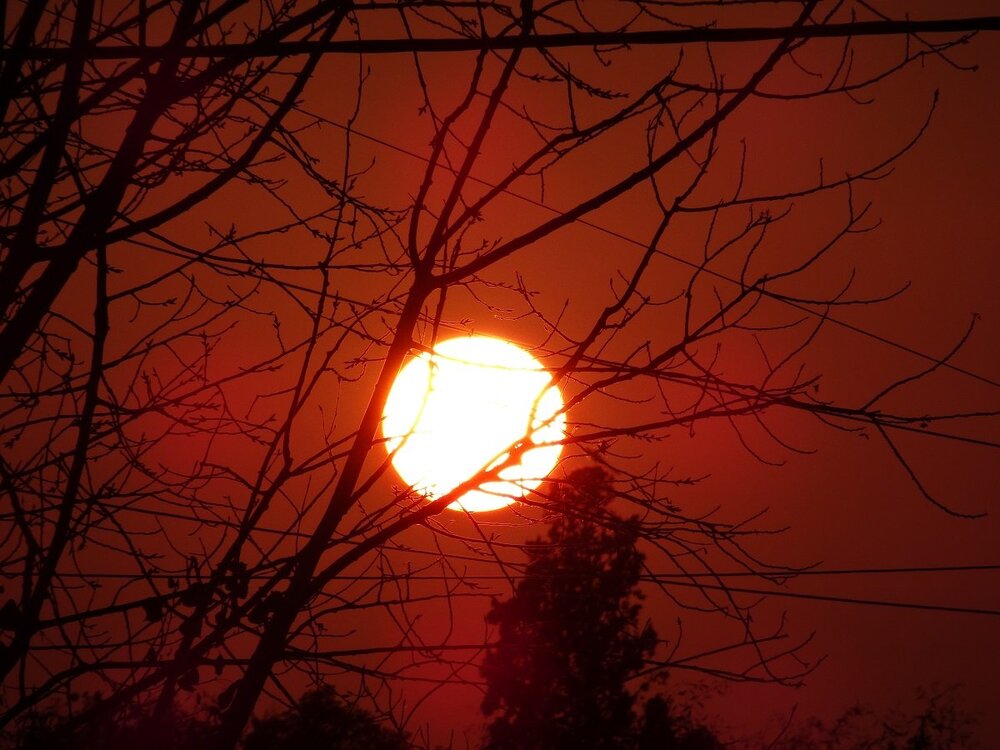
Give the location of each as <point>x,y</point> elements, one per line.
<point>322,721</point>
<point>54,729</point>
<point>664,728</point>
<point>319,721</point>
<point>937,722</point>
<point>570,641</point>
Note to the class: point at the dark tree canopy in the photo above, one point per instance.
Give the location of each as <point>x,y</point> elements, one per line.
<point>46,729</point>
<point>322,721</point>
<point>662,727</point>
<point>319,720</point>
<point>939,721</point>
<point>571,640</point>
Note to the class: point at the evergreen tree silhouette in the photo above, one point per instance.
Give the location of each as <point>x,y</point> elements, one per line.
<point>570,639</point>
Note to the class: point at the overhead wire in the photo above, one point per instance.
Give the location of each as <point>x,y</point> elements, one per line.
<point>779,577</point>
<point>654,577</point>
<point>633,241</point>
<point>678,580</point>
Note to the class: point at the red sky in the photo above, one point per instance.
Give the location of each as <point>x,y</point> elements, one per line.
<point>847,505</point>
<point>841,498</point>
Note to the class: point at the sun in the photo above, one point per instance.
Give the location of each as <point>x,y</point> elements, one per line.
<point>458,410</point>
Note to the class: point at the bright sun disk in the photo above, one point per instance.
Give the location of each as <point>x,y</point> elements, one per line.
<point>460,409</point>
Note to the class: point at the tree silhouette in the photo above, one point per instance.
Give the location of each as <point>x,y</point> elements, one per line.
<point>44,729</point>
<point>936,721</point>
<point>570,642</point>
<point>322,721</point>
<point>318,720</point>
<point>212,270</point>
<point>662,726</point>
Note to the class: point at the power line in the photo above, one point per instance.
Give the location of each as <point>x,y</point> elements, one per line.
<point>684,261</point>
<point>294,533</point>
<point>676,580</point>
<point>840,571</point>
<point>650,577</point>
<point>847,600</point>
<point>699,35</point>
